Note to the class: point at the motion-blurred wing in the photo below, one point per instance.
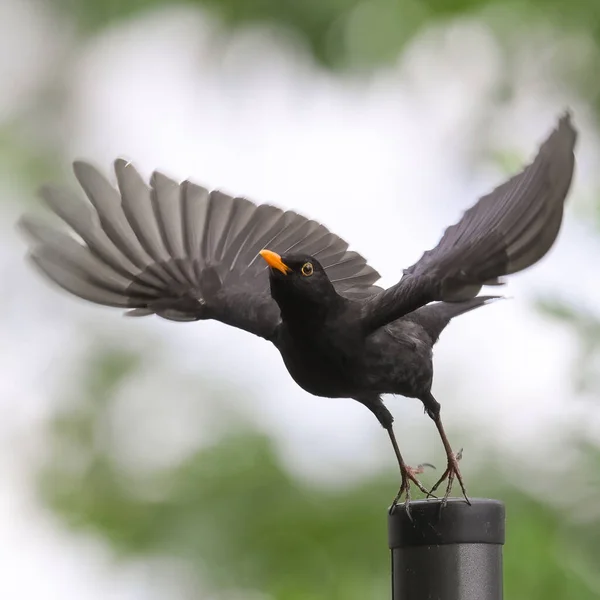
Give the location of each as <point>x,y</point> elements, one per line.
<point>179,251</point>
<point>507,231</point>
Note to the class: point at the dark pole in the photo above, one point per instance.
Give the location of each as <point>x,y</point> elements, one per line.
<point>455,554</point>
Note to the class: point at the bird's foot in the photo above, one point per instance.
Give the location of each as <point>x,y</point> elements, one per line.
<point>408,475</point>
<point>452,471</point>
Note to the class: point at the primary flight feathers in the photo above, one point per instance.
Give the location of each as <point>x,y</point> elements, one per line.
<point>183,253</point>
<point>506,231</point>
<point>179,251</point>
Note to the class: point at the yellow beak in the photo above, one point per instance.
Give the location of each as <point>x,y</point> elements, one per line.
<point>274,261</point>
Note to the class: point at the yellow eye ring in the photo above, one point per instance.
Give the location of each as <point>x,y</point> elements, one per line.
<point>307,269</point>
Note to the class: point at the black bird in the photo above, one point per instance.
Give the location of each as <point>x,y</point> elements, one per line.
<point>184,254</point>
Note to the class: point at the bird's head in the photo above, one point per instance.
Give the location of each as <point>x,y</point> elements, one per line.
<point>299,284</point>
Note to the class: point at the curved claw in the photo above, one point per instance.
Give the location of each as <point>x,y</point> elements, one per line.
<point>452,471</point>
<point>408,476</point>
<point>422,465</point>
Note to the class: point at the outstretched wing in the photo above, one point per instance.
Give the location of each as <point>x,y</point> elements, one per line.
<point>178,250</point>
<point>507,231</point>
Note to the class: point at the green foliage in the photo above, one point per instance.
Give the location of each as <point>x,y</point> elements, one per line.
<point>24,160</point>
<point>586,326</point>
<point>356,33</point>
<point>231,512</point>
<point>534,558</point>
<point>234,515</point>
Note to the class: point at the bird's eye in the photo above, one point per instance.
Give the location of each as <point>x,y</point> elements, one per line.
<point>307,269</point>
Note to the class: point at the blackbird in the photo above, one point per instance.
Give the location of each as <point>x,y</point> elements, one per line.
<point>186,254</point>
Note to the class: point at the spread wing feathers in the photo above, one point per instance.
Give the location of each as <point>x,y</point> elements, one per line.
<point>178,250</point>
<point>504,232</point>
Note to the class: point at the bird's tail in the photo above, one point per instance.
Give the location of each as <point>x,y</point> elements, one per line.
<point>434,317</point>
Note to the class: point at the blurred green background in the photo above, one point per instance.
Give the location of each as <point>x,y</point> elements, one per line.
<point>232,513</point>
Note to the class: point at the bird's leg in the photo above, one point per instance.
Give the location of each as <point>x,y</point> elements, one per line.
<point>407,475</point>
<point>452,471</point>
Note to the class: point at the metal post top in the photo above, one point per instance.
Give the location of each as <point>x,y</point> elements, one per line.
<point>457,523</point>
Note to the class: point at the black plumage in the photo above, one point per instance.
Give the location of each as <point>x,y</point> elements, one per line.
<point>186,254</point>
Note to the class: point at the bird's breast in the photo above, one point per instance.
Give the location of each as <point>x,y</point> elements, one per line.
<point>322,363</point>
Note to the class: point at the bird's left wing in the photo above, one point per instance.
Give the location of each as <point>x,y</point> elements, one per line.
<point>506,231</point>
<point>178,250</point>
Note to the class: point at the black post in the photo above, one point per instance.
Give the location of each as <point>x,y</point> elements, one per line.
<point>452,554</point>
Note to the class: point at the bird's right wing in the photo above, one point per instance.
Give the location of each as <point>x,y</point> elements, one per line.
<point>178,250</point>
<point>506,231</point>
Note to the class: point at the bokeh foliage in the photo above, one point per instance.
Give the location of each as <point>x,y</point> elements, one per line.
<point>364,33</point>
<point>231,513</point>
<point>237,520</point>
